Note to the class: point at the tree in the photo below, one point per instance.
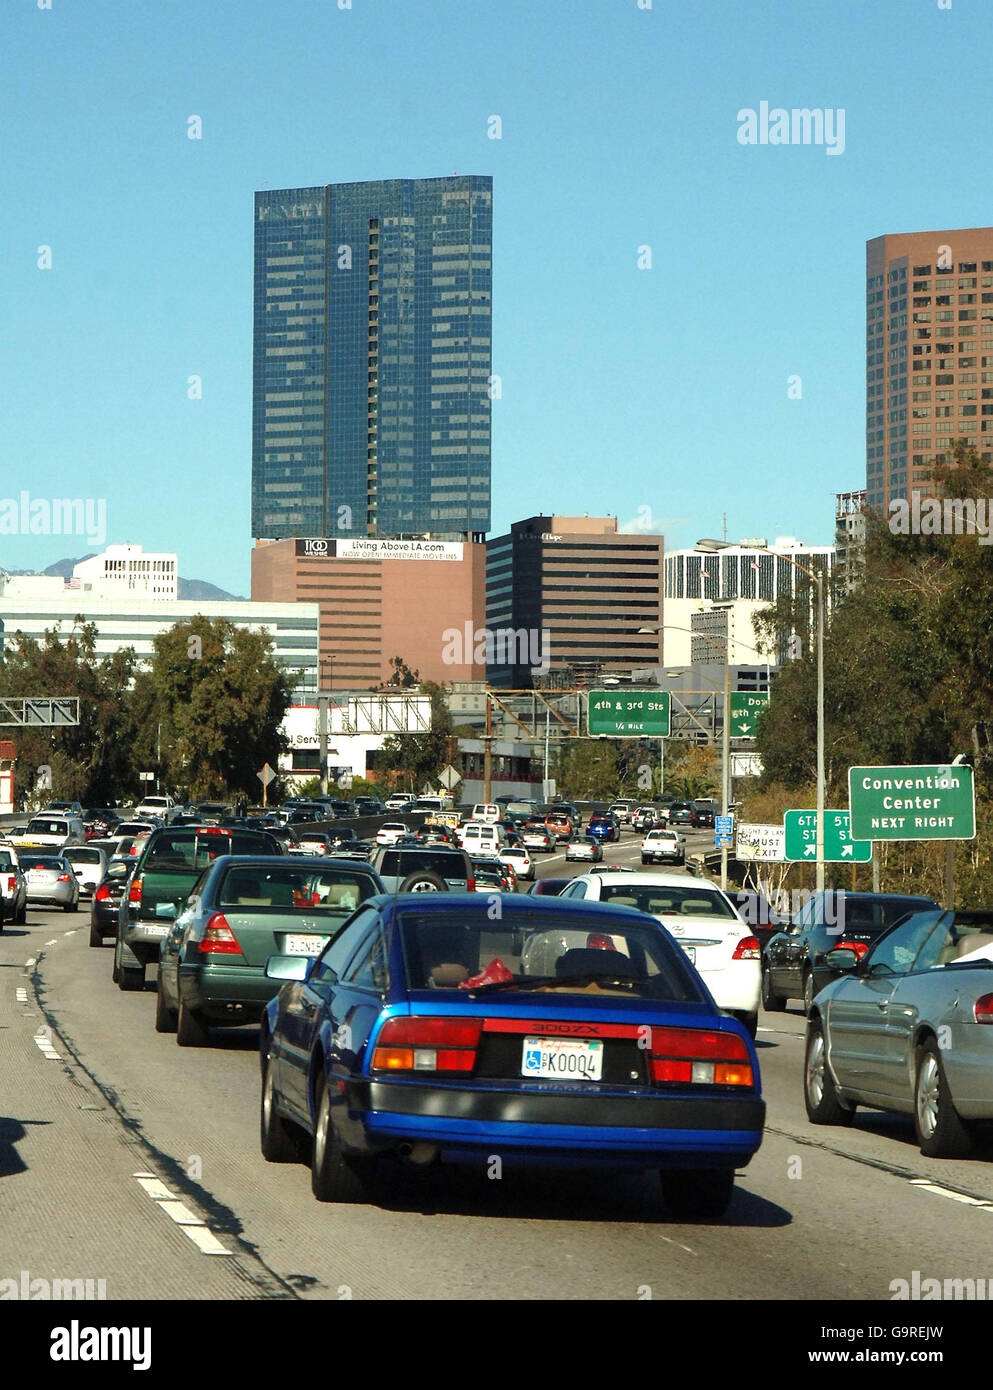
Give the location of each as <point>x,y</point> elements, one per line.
<point>89,762</point>
<point>219,695</point>
<point>586,769</point>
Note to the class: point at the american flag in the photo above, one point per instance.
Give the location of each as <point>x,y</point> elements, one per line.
<point>73,583</point>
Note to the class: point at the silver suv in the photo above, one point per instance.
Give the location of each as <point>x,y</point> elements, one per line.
<point>416,870</point>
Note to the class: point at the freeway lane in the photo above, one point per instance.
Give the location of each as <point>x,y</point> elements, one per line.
<point>819,1213</point>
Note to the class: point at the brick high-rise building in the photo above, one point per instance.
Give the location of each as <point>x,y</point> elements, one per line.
<point>929,354</point>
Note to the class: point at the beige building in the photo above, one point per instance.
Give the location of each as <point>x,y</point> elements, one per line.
<point>929,354</point>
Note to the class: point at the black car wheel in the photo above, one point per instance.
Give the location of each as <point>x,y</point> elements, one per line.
<point>165,1018</point>
<point>333,1177</point>
<point>279,1143</point>
<point>191,1031</point>
<point>70,907</point>
<point>95,937</point>
<point>424,881</point>
<point>772,1003</point>
<point>820,1095</point>
<point>705,1193</point>
<point>941,1131</point>
<point>22,915</point>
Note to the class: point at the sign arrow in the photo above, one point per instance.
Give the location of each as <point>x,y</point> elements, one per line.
<point>847,851</point>
<point>743,726</point>
<point>808,850</point>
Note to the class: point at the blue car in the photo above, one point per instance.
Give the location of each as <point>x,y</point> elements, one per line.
<point>602,828</point>
<point>431,1030</point>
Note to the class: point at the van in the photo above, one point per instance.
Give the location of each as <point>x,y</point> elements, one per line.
<point>486,811</point>
<point>481,838</point>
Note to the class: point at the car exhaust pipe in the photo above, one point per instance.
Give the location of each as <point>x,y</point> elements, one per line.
<point>420,1153</point>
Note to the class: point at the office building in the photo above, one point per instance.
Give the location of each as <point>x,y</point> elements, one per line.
<point>928,355</point>
<point>372,359</point>
<point>421,600</point>
<point>569,599</point>
<point>849,538</point>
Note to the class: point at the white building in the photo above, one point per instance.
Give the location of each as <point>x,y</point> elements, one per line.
<point>747,576</point>
<point>32,604</point>
<point>356,727</point>
<point>127,569</point>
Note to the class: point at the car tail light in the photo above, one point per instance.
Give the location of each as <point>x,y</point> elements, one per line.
<point>859,947</point>
<point>427,1044</point>
<point>982,1010</point>
<point>11,883</point>
<point>134,892</point>
<point>598,941</point>
<point>698,1057</point>
<point>64,878</point>
<point>747,948</point>
<point>102,893</point>
<point>218,938</point>
<point>470,885</point>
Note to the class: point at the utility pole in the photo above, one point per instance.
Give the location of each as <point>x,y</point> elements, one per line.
<point>487,753</point>
<point>322,735</point>
<point>818,575</point>
<point>726,755</point>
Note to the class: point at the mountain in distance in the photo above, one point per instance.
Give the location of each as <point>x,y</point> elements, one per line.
<point>188,588</point>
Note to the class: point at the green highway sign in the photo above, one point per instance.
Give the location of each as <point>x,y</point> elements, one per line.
<point>746,705</point>
<point>628,714</point>
<point>839,847</point>
<point>929,802</point>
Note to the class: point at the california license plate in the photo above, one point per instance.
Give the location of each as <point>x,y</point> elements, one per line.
<point>690,952</point>
<point>306,945</point>
<point>562,1059</point>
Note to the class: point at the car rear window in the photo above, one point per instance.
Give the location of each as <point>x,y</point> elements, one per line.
<point>291,888</point>
<point>444,950</point>
<point>44,826</point>
<point>661,901</point>
<point>38,861</point>
<point>6,859</point>
<point>403,862</point>
<point>186,850</point>
<point>83,856</point>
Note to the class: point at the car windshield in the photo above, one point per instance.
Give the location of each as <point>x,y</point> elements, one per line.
<point>43,826</point>
<point>187,849</point>
<point>292,888</point>
<point>564,952</point>
<point>663,901</point>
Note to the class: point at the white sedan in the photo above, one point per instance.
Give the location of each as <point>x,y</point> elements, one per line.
<point>701,919</point>
<point>391,831</point>
<point>518,859</point>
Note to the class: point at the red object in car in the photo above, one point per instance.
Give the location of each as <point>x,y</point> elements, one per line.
<point>495,973</point>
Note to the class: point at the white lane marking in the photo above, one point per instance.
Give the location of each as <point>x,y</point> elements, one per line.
<point>205,1241</point>
<point>669,1241</point>
<point>46,1049</point>
<point>189,1223</point>
<point>181,1214</point>
<point>31,961</point>
<point>924,1185</point>
<point>71,933</point>
<point>156,1189</point>
<point>22,996</point>
<point>54,941</point>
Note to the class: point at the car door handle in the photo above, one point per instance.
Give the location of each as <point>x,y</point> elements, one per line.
<point>882,1003</point>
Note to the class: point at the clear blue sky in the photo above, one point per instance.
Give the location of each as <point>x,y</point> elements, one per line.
<point>623,388</point>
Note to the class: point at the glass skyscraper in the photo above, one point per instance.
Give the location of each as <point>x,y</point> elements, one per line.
<point>372,359</point>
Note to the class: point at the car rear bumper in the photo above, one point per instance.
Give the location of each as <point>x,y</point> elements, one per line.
<point>736,987</point>
<point>227,993</point>
<point>631,1127</point>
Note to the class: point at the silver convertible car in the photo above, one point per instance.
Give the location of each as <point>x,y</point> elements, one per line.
<point>909,1027</point>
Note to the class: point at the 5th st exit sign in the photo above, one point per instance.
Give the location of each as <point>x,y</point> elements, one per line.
<point>839,847</point>
<point>746,705</point>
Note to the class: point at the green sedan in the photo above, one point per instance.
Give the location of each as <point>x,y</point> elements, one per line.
<point>242,910</point>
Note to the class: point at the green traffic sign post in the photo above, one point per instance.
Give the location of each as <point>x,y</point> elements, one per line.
<point>633,714</point>
<point>839,847</point>
<point>927,802</point>
<point>746,706</point>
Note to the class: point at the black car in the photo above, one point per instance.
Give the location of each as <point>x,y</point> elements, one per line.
<point>106,904</point>
<point>99,822</point>
<point>793,965</point>
<point>552,886</point>
<point>760,914</point>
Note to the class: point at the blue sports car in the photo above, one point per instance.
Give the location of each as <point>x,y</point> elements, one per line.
<point>565,1032</point>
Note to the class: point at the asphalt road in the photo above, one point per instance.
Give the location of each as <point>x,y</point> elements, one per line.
<point>128,1159</point>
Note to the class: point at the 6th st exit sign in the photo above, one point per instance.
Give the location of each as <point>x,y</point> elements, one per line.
<point>928,802</point>
<point>633,714</point>
<point>746,705</point>
<point>801,838</point>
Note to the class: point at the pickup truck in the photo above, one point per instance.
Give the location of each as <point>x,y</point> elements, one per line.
<point>167,869</point>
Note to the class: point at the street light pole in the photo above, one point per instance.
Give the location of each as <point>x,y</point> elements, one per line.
<point>726,763</point>
<point>819,863</point>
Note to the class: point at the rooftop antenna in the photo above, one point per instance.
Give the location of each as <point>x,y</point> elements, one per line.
<point>724,526</point>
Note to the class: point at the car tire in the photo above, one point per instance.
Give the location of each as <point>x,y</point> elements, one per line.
<point>115,973</point>
<point>820,1095</point>
<point>644,859</point>
<point>751,1022</point>
<point>333,1177</point>
<point>131,978</point>
<point>424,881</point>
<point>808,991</point>
<point>278,1142</point>
<point>772,1003</point>
<point>704,1193</point>
<point>166,1019</point>
<point>22,916</point>
<point>191,1031</point>
<point>70,907</point>
<point>96,938</point>
<point>941,1131</point>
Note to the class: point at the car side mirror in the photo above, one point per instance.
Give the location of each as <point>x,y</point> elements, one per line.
<point>289,967</point>
<point>842,958</point>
